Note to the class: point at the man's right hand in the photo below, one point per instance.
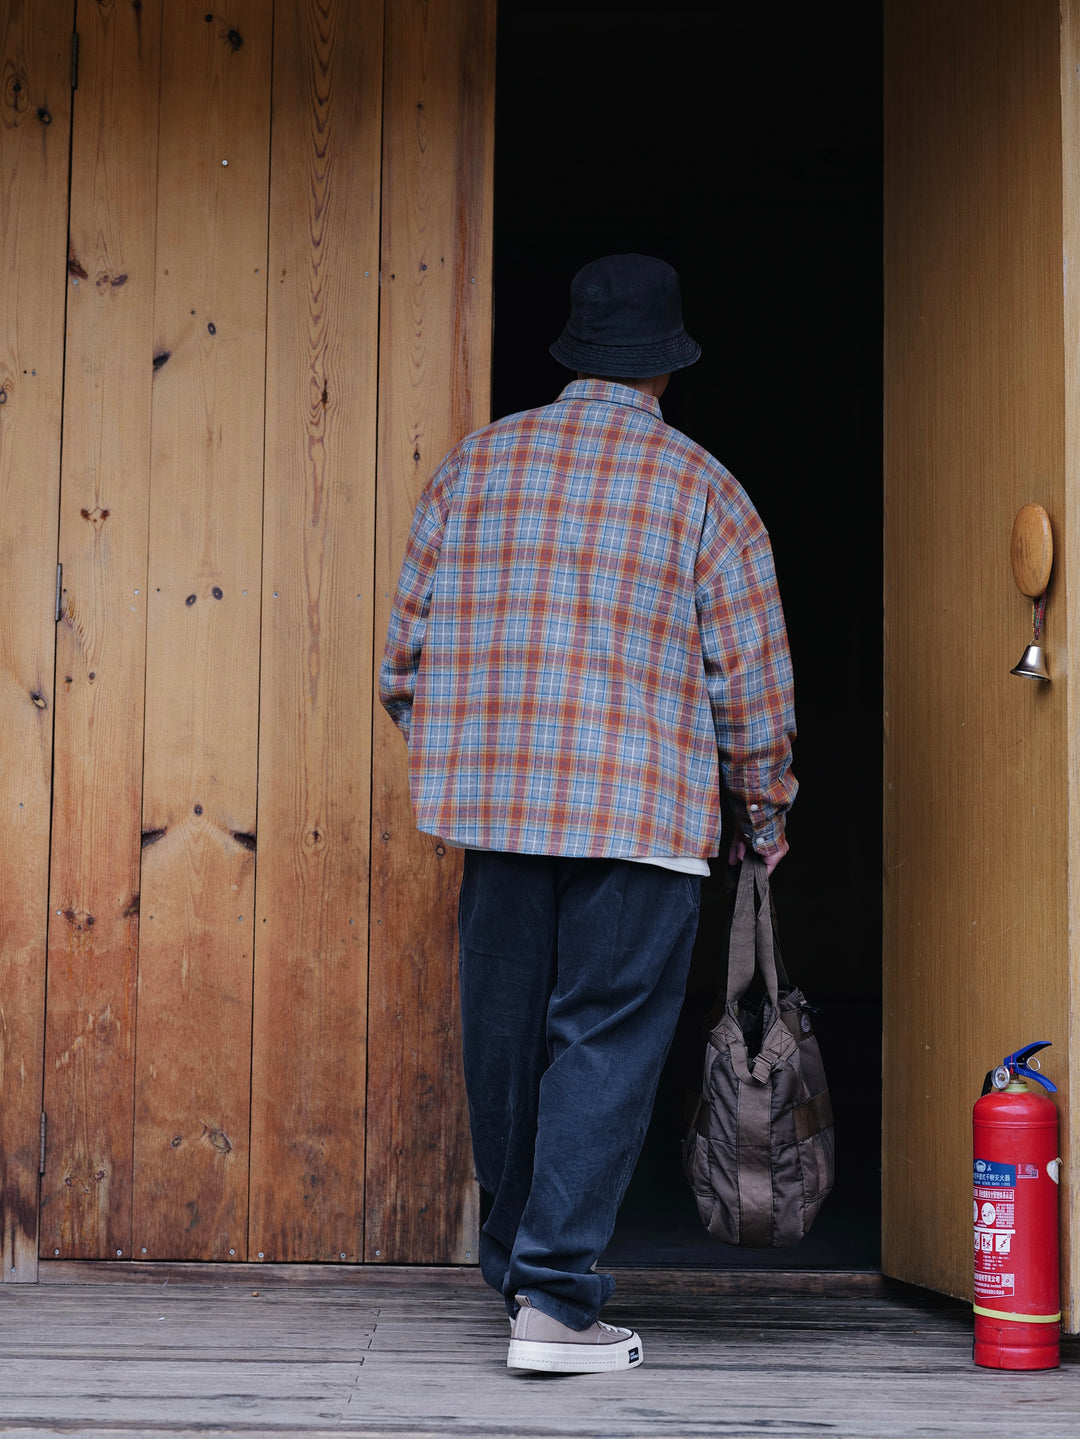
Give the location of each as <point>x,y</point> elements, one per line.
<point>737,853</point>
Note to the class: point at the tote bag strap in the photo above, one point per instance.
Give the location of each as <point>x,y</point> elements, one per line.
<point>751,942</point>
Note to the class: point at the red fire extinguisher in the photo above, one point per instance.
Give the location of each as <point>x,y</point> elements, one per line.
<point>1017,1284</point>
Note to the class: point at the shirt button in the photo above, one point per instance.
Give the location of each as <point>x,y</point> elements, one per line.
<point>754,808</point>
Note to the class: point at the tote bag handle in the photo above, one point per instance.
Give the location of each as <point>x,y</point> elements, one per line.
<point>752,944</point>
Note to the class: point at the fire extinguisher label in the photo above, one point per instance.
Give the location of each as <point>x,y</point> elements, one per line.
<point>994,1215</point>
<point>990,1174</point>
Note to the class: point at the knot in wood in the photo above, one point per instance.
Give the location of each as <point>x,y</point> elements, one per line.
<point>218,1138</point>
<point>15,92</point>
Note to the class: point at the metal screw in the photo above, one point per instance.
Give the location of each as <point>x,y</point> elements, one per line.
<point>341,1256</point>
<point>468,1254</point>
<point>144,1249</point>
<point>224,162</point>
<point>119,1254</point>
<point>232,1252</point>
<point>56,1253</point>
<point>378,1253</point>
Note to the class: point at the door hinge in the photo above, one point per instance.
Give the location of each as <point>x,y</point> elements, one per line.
<point>75,60</point>
<point>41,1163</point>
<point>59,592</point>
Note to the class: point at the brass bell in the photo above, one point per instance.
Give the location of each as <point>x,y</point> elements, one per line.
<point>1032,665</point>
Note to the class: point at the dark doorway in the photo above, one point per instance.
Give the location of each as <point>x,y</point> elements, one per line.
<point>743,144</point>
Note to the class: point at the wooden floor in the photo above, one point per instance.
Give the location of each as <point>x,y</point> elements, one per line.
<point>423,1353</point>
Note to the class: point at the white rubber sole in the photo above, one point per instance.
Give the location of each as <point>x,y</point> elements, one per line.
<point>574,1358</point>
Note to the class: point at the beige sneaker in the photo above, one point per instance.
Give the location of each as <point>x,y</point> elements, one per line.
<point>539,1342</point>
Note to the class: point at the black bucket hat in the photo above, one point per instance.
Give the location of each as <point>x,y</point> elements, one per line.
<point>625,320</point>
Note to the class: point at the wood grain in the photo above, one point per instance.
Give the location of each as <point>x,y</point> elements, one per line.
<point>701,1284</point>
<point>101,639</point>
<point>310,1063</point>
<point>430,1361</point>
<point>1069,560</point>
<point>435,334</point>
<point>35,123</point>
<point>978,853</point>
<point>202,669</point>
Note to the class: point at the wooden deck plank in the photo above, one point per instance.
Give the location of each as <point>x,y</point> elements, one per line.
<point>692,1283</point>
<point>142,1359</point>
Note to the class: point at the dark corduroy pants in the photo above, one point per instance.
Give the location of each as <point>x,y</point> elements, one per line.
<point>572,977</point>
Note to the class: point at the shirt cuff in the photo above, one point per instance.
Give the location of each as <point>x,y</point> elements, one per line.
<point>764,831</point>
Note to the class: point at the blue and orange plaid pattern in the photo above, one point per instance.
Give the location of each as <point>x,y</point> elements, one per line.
<point>586,627</point>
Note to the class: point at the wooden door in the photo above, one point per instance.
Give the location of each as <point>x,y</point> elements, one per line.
<point>981,347</point>
<point>276,272</point>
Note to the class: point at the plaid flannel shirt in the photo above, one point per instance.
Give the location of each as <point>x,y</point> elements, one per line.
<point>586,631</point>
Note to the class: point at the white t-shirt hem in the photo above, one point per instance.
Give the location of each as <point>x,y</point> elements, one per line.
<point>682,866</point>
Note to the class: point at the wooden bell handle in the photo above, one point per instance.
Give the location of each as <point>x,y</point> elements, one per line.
<point>1032,551</point>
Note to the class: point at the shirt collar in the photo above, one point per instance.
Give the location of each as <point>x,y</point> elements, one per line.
<point>613,394</point>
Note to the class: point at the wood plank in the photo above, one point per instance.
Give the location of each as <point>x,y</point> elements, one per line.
<point>1069,566</point>
<point>977,847</point>
<point>435,335</point>
<point>309,1068</point>
<point>690,1284</point>
<point>121,1359</point>
<point>253,1273</point>
<point>101,642</point>
<point>202,672</point>
<point>35,126</point>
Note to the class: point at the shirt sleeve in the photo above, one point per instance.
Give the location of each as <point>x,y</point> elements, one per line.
<point>412,599</point>
<point>747,671</point>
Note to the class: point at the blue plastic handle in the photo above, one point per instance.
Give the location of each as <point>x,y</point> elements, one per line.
<point>1016,1063</point>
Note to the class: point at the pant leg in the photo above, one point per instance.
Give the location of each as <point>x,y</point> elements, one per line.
<point>625,936</point>
<point>507,926</point>
<point>573,973</point>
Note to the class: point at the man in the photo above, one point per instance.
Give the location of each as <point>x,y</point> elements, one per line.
<point>586,644</point>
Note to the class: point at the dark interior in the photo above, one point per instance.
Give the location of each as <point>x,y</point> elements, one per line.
<point>742,143</point>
